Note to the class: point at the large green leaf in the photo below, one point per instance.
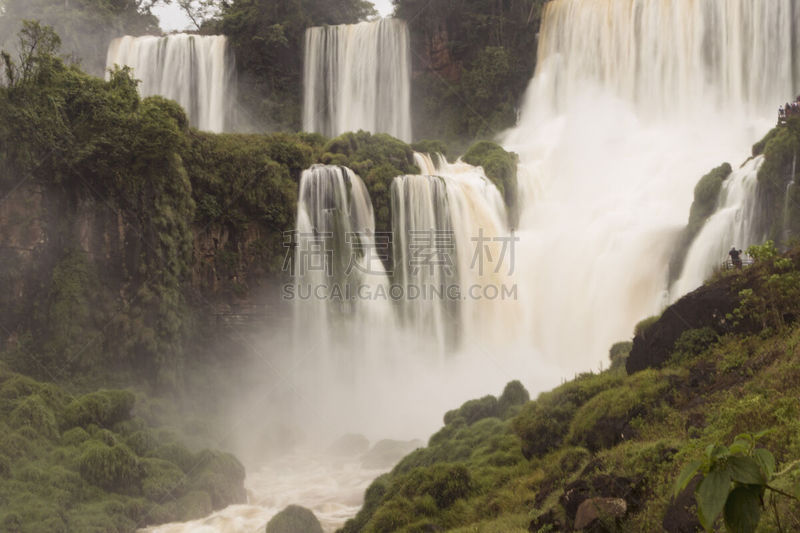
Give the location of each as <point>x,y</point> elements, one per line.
<point>711,495</point>
<point>766,461</point>
<point>686,475</point>
<point>743,509</point>
<point>746,470</point>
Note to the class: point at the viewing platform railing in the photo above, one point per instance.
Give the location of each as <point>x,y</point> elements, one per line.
<point>728,264</point>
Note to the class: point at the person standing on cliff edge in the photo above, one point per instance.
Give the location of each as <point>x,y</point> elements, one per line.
<point>736,257</point>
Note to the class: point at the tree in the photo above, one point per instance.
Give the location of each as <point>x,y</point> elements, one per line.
<point>85,26</point>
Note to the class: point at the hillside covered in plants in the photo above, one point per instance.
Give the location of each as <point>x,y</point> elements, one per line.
<point>711,384</point>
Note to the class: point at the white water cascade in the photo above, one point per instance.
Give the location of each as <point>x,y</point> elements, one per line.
<point>459,213</point>
<point>357,77</point>
<point>632,102</point>
<point>193,70</point>
<point>731,225</point>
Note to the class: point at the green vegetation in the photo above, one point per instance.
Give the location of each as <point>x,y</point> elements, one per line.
<point>132,216</point>
<point>86,464</point>
<point>267,39</point>
<point>294,519</point>
<point>613,436</point>
<point>734,483</point>
<point>378,159</point>
<point>472,63</point>
<point>706,197</point>
<point>778,200</point>
<point>87,26</point>
<point>500,167</point>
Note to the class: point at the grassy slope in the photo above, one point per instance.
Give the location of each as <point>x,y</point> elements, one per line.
<point>613,434</point>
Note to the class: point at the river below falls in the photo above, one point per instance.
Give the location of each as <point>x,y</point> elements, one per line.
<point>332,487</point>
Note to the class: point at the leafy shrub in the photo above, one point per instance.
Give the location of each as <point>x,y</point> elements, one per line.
<point>113,468</point>
<point>514,395</point>
<point>693,342</point>
<point>474,410</point>
<point>618,354</point>
<point>33,412</point>
<point>104,408</point>
<point>161,480</point>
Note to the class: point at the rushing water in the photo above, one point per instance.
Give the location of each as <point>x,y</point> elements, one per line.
<point>632,102</point>
<point>357,77</point>
<point>733,224</point>
<point>193,70</point>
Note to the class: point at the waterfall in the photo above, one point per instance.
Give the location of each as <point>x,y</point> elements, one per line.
<point>732,224</point>
<point>440,220</point>
<point>335,248</point>
<point>193,70</point>
<point>357,77</point>
<point>632,102</point>
<point>682,55</point>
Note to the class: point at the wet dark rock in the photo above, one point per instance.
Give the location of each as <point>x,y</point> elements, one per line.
<point>681,515</point>
<point>704,307</point>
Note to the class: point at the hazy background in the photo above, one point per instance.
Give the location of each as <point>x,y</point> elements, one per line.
<point>171,17</point>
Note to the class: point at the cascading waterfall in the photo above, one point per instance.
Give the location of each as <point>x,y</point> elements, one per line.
<point>455,218</point>
<point>193,70</point>
<point>632,102</point>
<point>665,57</point>
<point>335,252</point>
<point>733,224</point>
<point>357,77</point>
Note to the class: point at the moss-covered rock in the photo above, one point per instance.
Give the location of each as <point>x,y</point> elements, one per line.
<point>500,167</point>
<point>377,159</point>
<point>220,475</point>
<point>294,519</point>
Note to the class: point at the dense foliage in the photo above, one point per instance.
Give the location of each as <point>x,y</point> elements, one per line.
<point>472,61</point>
<point>377,159</point>
<point>605,451</point>
<point>267,39</point>
<point>84,463</point>
<point>118,216</point>
<point>86,26</point>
